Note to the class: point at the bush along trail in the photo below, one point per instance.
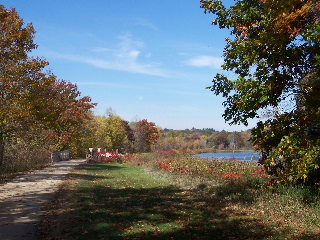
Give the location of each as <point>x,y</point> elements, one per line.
<point>161,200</point>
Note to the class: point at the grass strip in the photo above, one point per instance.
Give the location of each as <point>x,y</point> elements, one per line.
<point>113,201</point>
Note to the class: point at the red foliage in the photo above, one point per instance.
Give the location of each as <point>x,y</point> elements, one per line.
<point>167,154</point>
<point>128,157</point>
<point>149,131</point>
<point>260,172</point>
<point>233,176</point>
<point>165,163</point>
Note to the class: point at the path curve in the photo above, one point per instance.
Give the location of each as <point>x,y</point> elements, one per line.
<point>22,200</point>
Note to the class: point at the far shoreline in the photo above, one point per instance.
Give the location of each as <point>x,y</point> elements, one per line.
<point>208,150</point>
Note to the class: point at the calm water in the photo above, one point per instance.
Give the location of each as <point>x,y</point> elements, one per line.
<point>243,155</point>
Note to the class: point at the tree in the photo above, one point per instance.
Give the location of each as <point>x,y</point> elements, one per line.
<point>114,133</point>
<point>235,140</point>
<point>86,137</point>
<point>34,105</point>
<point>15,43</point>
<point>128,144</point>
<point>221,140</point>
<point>59,108</point>
<point>146,135</point>
<point>275,54</point>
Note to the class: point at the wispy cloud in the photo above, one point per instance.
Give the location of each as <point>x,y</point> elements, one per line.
<point>112,85</point>
<point>125,56</point>
<point>205,61</point>
<point>145,23</point>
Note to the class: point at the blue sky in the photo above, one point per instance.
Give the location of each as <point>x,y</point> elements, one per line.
<point>146,59</point>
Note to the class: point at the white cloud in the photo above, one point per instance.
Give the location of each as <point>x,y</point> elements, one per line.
<point>125,56</point>
<point>205,61</point>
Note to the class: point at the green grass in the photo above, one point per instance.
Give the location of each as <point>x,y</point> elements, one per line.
<point>120,200</point>
<point>113,201</point>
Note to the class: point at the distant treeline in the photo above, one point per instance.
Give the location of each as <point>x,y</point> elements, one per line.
<point>203,139</point>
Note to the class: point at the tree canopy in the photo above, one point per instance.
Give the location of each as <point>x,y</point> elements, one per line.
<point>146,134</point>
<point>274,51</point>
<point>34,105</point>
<point>112,133</point>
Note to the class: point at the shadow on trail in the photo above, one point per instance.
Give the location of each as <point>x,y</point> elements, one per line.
<point>22,199</point>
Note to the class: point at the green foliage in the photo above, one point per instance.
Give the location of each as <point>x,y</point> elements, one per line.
<point>275,54</point>
<point>296,157</point>
<point>112,133</point>
<point>86,137</point>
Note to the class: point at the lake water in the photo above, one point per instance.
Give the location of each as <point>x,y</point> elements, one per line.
<point>241,155</point>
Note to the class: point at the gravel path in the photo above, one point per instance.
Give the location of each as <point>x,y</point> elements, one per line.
<point>22,200</point>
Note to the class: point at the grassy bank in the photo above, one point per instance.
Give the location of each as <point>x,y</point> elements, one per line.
<point>118,201</point>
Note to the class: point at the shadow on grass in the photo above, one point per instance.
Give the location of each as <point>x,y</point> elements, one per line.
<point>102,167</point>
<point>162,212</point>
<point>234,192</point>
<point>93,169</point>
<point>155,213</point>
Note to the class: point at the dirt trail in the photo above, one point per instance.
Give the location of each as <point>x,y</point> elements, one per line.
<point>22,200</point>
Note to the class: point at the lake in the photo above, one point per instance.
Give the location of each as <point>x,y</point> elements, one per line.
<point>240,155</point>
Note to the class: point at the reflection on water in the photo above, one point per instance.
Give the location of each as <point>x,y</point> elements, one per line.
<point>243,155</point>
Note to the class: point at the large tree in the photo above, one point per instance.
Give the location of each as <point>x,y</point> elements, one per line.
<point>274,51</point>
<point>34,104</point>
